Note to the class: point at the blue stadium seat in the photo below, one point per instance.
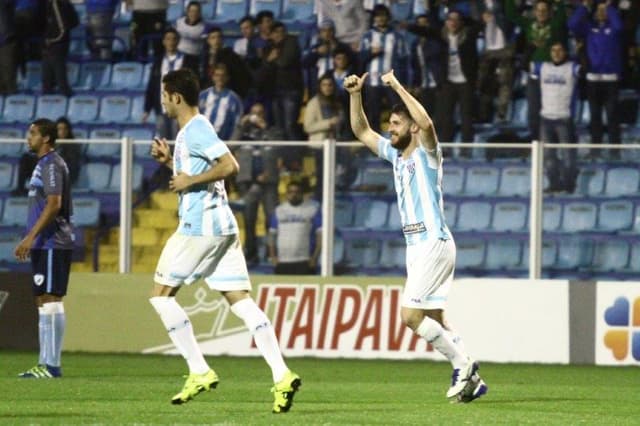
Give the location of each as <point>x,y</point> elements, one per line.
<point>175,10</point>
<point>452,180</point>
<point>86,211</point>
<point>371,214</point>
<point>474,216</point>
<point>622,181</point>
<point>482,180</point>
<point>6,176</point>
<point>80,132</point>
<point>338,249</point>
<point>298,10</point>
<point>208,9</point>
<point>393,254</point>
<point>73,73</point>
<point>8,243</point>
<point>126,75</point>
<point>549,254</point>
<point>610,256</point>
<point>579,216</point>
<point>374,176</point>
<point>94,75</point>
<point>51,107</point>
<point>83,108</point>
<point>15,211</point>
<point>137,111</point>
<point>78,49</point>
<point>115,109</point>
<point>509,216</point>
<point>33,76</point>
<point>139,134</point>
<point>615,215</point>
<point>520,111</point>
<point>590,181</point>
<point>122,35</point>
<point>515,181</point>
<point>470,253</point>
<point>136,179</point>
<point>98,150</point>
<point>93,177</point>
<point>450,213</point>
<point>146,75</point>
<point>231,10</point>
<point>574,253</point>
<point>503,253</point>
<point>19,108</point>
<point>122,15</point>
<point>362,252</point>
<point>551,216</point>
<point>401,10</point>
<point>394,221</point>
<point>634,257</point>
<point>343,213</point>
<point>1,106</point>
<point>273,6</point>
<point>13,149</point>
<point>631,136</point>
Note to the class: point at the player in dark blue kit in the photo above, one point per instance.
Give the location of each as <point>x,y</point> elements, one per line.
<point>48,242</point>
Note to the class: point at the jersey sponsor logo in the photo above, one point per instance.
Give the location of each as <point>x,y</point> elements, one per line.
<point>414,228</point>
<point>38,279</point>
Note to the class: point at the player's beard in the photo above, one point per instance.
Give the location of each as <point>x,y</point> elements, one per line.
<point>402,141</point>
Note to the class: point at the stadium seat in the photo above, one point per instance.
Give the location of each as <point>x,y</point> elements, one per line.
<point>126,75</point>
<point>503,253</point>
<point>343,213</point>
<point>231,10</point>
<point>175,10</point>
<point>115,109</point>
<point>374,177</point>
<point>6,176</point>
<point>137,111</point>
<point>470,253</point>
<point>73,73</point>
<point>136,179</point>
<point>371,214</point>
<point>450,213</point>
<point>622,181</point>
<point>273,6</point>
<point>86,211</point>
<point>615,215</point>
<point>122,35</point>
<point>590,181</point>
<point>579,216</point>
<point>394,221</point>
<point>33,76</point>
<point>96,149</point>
<point>8,243</point>
<point>78,49</point>
<point>51,107</point>
<point>139,134</point>
<point>13,149</point>
<point>452,180</point>
<point>509,216</point>
<point>474,216</point>
<point>83,108</point>
<point>481,180</point>
<point>401,10</point>
<point>362,252</point>
<point>634,257</point>
<point>94,75</point>
<point>80,132</point>
<point>574,253</point>
<point>515,181</point>
<point>610,255</point>
<point>549,254</point>
<point>551,216</point>
<point>15,211</point>
<point>393,254</point>
<point>18,108</point>
<point>338,249</point>
<point>298,10</point>
<point>93,177</point>
<point>1,106</point>
<point>520,111</point>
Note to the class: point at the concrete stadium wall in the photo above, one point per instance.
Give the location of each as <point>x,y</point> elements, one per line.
<point>500,320</point>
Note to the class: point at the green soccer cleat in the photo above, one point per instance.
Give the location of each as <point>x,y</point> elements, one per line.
<point>195,384</point>
<point>284,391</point>
<point>41,371</point>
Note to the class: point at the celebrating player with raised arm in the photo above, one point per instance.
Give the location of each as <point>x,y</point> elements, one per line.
<point>206,243</point>
<point>431,252</point>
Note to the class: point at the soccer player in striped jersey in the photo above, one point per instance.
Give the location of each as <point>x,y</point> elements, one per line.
<point>206,243</point>
<point>431,252</point>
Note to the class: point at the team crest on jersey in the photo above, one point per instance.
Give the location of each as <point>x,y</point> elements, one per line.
<point>411,167</point>
<point>38,279</point>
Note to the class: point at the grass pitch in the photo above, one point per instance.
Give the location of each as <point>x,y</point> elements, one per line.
<point>136,389</point>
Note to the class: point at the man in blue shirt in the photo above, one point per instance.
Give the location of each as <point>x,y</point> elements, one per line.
<point>49,242</point>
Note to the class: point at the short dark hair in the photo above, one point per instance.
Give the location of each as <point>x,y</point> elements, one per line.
<point>47,127</point>
<point>278,24</point>
<point>194,3</point>
<point>247,18</point>
<point>183,82</point>
<point>215,29</point>
<point>401,109</point>
<point>66,122</point>
<point>263,14</point>
<point>171,30</point>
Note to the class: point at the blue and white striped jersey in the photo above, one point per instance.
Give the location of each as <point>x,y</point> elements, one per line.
<point>222,108</point>
<point>203,209</point>
<point>418,183</point>
<point>395,54</point>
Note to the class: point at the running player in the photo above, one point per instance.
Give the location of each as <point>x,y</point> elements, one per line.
<point>206,243</point>
<point>431,252</point>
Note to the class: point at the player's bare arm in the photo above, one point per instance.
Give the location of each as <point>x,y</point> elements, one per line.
<point>427,135</point>
<point>161,152</point>
<point>54,204</point>
<point>359,123</point>
<point>223,168</point>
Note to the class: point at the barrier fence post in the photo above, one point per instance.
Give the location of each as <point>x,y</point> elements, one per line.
<point>535,212</point>
<point>126,182</point>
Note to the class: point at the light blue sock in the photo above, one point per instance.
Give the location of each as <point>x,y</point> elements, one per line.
<point>44,333</point>
<point>58,323</point>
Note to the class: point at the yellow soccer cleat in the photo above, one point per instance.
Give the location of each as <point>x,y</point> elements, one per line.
<point>195,384</point>
<point>284,390</point>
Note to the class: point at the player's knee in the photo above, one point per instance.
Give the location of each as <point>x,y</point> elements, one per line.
<point>411,318</point>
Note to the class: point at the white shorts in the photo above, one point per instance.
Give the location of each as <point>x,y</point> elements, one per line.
<point>430,266</point>
<point>217,259</point>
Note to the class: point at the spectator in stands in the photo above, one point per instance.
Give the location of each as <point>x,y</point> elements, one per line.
<point>460,82</point>
<point>247,45</point>
<point>342,67</point>
<point>602,35</point>
<point>295,234</point>
<point>61,19</point>
<point>259,175</point>
<point>191,29</point>
<point>547,27</point>
<point>170,61</point>
<point>148,21</point>
<point>221,105</point>
<point>100,27</point>
<point>318,58</point>
<point>29,22</point>
<point>216,52</point>
<point>264,22</point>
<point>495,71</point>
<point>7,48</point>
<point>349,17</point>
<point>70,152</point>
<point>558,80</point>
<point>381,50</point>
